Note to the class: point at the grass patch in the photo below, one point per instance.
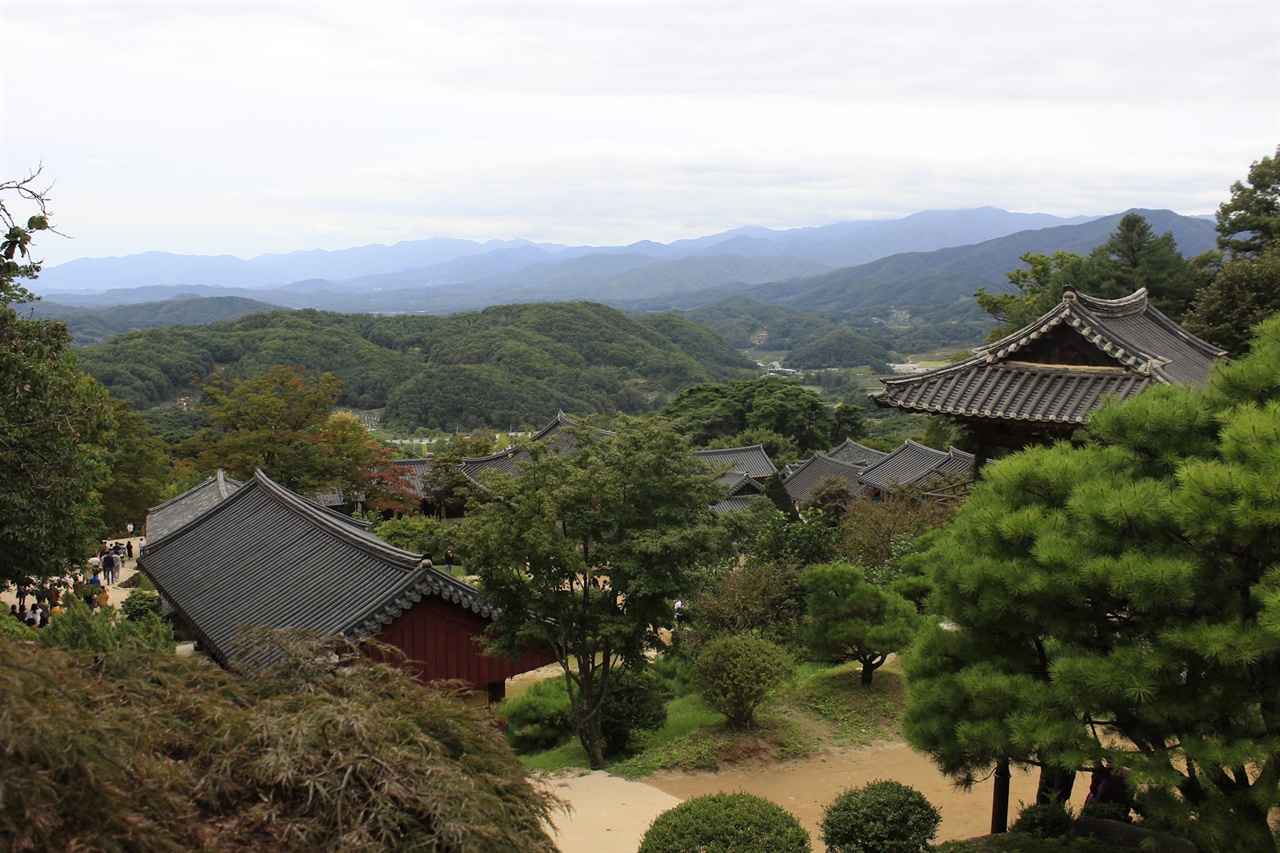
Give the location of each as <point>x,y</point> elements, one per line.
<point>856,715</point>
<point>137,580</point>
<point>712,746</point>
<point>825,706</point>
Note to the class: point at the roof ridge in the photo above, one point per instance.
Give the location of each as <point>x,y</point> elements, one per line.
<point>335,523</point>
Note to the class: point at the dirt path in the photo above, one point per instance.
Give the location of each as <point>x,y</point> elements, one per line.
<point>610,815</point>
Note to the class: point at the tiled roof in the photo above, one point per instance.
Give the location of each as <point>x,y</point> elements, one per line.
<point>265,556</point>
<point>852,453</point>
<point>819,467</point>
<point>174,513</point>
<point>506,462</point>
<point>416,469</point>
<point>732,504</point>
<point>1131,344</point>
<point>752,461</point>
<point>916,463</point>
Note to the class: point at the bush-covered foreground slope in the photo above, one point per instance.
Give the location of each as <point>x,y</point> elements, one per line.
<point>506,366</point>
<point>137,750</point>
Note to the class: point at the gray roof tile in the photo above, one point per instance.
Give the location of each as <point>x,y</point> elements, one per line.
<point>1125,344</point>
<point>752,461</point>
<point>176,512</point>
<point>265,556</point>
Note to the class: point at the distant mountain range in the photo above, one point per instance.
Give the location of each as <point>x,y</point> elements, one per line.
<point>928,264</point>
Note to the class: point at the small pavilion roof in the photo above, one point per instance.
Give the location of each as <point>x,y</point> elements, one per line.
<point>175,512</point>
<point>852,453</point>
<point>820,467</point>
<point>1123,346</point>
<point>507,461</point>
<point>752,461</point>
<point>916,463</point>
<point>265,556</point>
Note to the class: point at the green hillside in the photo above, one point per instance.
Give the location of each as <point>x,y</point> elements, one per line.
<point>507,366</point>
<point>95,325</point>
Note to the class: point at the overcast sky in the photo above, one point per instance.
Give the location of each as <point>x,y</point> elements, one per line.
<point>245,128</point>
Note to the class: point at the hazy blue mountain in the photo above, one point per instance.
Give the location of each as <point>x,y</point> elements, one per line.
<point>441,260</point>
<point>939,283</point>
<point>952,255</point>
<point>162,268</point>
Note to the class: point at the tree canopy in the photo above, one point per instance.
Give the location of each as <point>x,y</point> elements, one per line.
<point>1116,604</point>
<point>593,541</point>
<point>505,367</point>
<point>281,422</point>
<point>712,411</point>
<point>53,419</point>
<point>1246,290</point>
<point>1132,257</point>
<point>1250,220</point>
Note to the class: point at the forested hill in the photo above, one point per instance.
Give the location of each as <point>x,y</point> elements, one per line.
<point>95,325</point>
<point>505,367</point>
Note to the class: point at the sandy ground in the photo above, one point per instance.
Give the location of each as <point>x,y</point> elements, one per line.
<point>609,815</point>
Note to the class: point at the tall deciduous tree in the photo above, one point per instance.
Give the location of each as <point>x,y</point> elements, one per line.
<point>53,418</point>
<point>585,549</point>
<point>139,463</point>
<point>269,422</point>
<point>710,411</point>
<point>1245,292</point>
<point>1119,604</point>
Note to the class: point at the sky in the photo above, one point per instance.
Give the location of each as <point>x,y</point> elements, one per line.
<point>248,128</point>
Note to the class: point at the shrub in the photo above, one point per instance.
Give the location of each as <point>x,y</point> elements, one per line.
<point>77,628</point>
<point>725,823</point>
<point>420,534</point>
<point>541,718</point>
<point>635,702</point>
<point>139,603</point>
<point>137,750</point>
<point>1106,811</point>
<point>761,597</point>
<point>881,817</point>
<point>736,674</point>
<point>1044,820</point>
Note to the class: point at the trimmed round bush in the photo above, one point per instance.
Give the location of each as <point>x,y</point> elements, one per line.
<point>881,817</point>
<point>636,702</point>
<point>541,718</point>
<point>1043,820</point>
<point>736,673</point>
<point>726,823</point>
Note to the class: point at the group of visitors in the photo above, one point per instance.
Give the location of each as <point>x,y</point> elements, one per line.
<point>45,600</point>
<point>111,559</point>
<point>90,586</point>
<point>36,617</point>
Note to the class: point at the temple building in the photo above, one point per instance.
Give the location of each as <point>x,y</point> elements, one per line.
<point>259,555</point>
<point>1041,383</point>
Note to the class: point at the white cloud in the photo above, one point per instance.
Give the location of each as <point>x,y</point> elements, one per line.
<point>271,126</point>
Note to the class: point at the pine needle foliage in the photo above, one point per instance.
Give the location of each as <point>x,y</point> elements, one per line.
<point>135,750</point>
<point>1118,603</point>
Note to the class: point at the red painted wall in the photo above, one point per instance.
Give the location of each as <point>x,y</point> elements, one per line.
<point>439,639</point>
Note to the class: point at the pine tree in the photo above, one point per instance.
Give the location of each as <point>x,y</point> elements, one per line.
<point>1119,603</point>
